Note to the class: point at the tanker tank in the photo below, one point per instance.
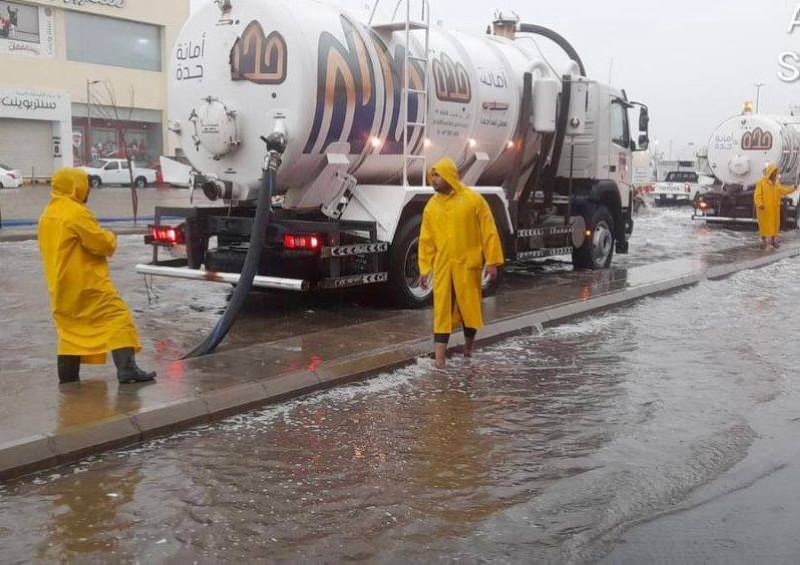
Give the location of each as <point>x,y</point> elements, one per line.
<point>741,146</point>
<point>335,86</point>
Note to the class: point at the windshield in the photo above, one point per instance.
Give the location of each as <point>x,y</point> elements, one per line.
<point>97,164</point>
<point>4,166</point>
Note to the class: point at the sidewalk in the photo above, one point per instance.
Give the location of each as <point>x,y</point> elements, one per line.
<point>41,425</point>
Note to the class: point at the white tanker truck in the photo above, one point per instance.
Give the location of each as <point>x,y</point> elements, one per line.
<point>738,151</point>
<point>361,109</point>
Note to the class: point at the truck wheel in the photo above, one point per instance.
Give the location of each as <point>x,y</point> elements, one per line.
<point>598,250</point>
<point>95,182</point>
<point>404,269</point>
<point>140,182</point>
<point>797,216</point>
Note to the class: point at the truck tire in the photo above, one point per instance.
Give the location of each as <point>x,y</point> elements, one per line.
<point>95,182</point>
<point>140,182</point>
<point>597,252</point>
<point>404,270</point>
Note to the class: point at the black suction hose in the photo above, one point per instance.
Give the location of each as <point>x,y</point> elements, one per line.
<point>549,184</point>
<point>557,39</point>
<point>276,145</point>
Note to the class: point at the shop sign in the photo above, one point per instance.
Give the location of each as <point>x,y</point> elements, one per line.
<point>26,30</point>
<point>34,105</point>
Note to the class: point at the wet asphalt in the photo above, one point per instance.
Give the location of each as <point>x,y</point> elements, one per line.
<point>662,432</point>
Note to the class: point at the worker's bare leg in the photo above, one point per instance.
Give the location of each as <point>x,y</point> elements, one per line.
<point>469,341</point>
<point>440,349</point>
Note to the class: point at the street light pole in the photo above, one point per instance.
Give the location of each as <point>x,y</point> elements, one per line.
<point>759,86</point>
<point>88,141</point>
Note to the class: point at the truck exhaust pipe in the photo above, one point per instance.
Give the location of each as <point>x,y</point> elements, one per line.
<point>276,146</point>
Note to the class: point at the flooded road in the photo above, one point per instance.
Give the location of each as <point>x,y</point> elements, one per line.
<point>547,447</point>
<point>173,315</point>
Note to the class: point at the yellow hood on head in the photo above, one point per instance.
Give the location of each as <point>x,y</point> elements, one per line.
<point>771,168</point>
<point>71,183</point>
<point>446,168</point>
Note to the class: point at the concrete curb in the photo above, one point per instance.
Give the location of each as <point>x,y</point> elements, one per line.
<point>38,452</point>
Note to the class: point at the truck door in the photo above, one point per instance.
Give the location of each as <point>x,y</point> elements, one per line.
<point>111,172</point>
<point>620,158</point>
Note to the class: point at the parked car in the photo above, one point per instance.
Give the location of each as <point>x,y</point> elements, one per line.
<point>9,178</point>
<point>680,187</point>
<point>115,171</point>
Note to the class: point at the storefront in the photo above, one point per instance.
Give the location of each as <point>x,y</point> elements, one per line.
<point>142,139</point>
<point>35,130</point>
<point>60,62</point>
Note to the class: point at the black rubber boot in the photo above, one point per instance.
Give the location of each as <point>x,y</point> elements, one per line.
<point>69,369</point>
<point>128,372</point>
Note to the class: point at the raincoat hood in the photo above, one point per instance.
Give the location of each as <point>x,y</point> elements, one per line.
<point>771,168</point>
<point>446,168</point>
<point>71,183</point>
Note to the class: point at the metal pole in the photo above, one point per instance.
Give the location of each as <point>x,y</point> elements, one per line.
<point>568,217</point>
<point>758,86</point>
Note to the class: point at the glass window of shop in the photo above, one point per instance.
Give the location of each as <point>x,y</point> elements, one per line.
<point>144,141</point>
<point>117,43</point>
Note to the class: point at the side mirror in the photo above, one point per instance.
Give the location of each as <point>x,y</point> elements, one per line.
<point>633,145</point>
<point>644,120</point>
<point>644,142</point>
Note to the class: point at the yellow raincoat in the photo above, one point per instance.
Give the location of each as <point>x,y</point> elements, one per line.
<point>90,317</point>
<point>767,199</point>
<point>457,239</point>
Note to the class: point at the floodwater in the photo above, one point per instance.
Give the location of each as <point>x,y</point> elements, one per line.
<point>544,448</point>
<point>172,315</point>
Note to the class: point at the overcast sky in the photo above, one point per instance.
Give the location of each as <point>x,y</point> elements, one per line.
<point>694,62</point>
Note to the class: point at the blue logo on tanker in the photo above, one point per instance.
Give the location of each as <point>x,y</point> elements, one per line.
<point>347,105</point>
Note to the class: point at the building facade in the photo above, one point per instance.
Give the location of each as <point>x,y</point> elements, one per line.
<point>84,79</point>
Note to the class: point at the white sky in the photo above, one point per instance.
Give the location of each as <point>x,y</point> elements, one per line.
<point>694,62</point>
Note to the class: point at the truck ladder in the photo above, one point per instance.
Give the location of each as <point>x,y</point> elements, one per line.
<point>408,25</point>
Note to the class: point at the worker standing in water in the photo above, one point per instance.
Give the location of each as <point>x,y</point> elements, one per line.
<point>767,197</point>
<point>457,239</point>
<point>90,317</point>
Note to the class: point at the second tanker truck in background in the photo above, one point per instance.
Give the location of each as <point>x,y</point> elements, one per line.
<point>360,109</point>
<point>738,151</point>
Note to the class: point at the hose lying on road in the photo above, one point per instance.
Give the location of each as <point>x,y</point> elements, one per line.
<point>276,145</point>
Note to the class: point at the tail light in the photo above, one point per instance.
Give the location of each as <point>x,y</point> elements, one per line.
<point>13,176</point>
<point>167,235</point>
<point>688,189</point>
<point>302,242</point>
<point>703,205</point>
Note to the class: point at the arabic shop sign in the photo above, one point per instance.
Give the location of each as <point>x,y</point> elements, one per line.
<point>34,105</point>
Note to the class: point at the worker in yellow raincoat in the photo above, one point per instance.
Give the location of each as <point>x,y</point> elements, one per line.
<point>767,197</point>
<point>90,317</point>
<point>457,239</point>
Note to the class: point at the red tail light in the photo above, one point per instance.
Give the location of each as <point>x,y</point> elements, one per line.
<point>13,176</point>
<point>167,235</point>
<point>305,242</point>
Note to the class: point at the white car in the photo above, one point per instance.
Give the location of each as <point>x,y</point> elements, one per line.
<point>680,187</point>
<point>115,171</point>
<point>9,178</point>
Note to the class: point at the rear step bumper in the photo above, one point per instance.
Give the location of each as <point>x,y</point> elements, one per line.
<point>228,278</point>
<point>725,220</point>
